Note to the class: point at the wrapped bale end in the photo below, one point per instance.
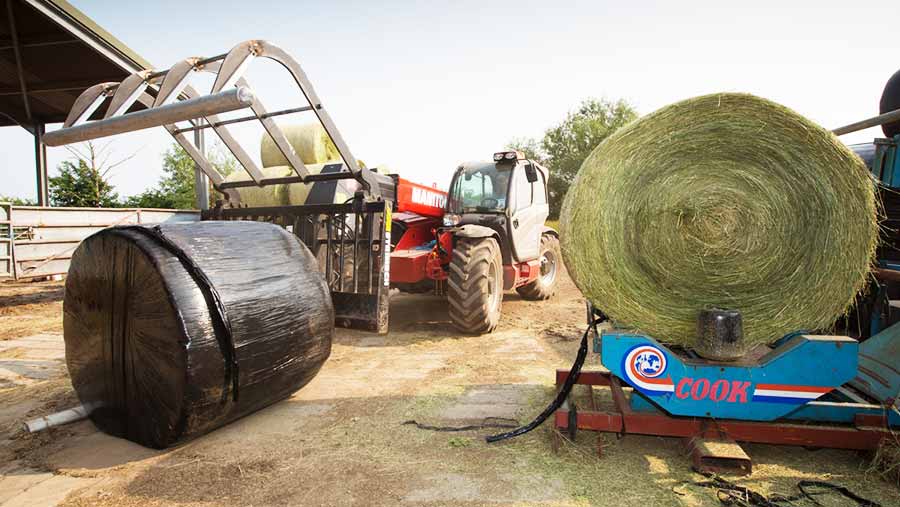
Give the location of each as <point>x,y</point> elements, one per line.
<point>174,330</point>
<point>723,201</point>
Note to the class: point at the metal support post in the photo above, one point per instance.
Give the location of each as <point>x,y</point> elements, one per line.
<point>201,180</point>
<point>40,165</point>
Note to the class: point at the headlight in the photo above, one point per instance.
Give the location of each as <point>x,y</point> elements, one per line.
<point>450,220</point>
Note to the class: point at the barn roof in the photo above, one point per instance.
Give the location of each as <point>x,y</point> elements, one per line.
<point>49,53</point>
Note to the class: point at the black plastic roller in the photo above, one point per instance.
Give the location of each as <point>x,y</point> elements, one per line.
<point>720,335</point>
<point>890,101</point>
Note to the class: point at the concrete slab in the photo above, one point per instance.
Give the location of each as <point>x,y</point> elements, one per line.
<point>44,337</point>
<point>32,488</point>
<point>374,371</point>
<point>283,418</point>
<point>22,371</point>
<point>42,346</point>
<point>24,361</point>
<point>98,451</point>
<point>372,341</point>
<point>14,415</point>
<point>504,489</point>
<point>488,401</point>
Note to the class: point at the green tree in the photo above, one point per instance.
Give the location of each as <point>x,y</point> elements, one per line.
<point>564,147</point>
<point>175,188</point>
<point>84,181</point>
<point>529,147</point>
<point>16,201</point>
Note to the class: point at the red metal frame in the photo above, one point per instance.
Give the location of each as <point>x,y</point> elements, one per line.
<point>411,266</point>
<point>867,433</point>
<point>418,230</point>
<point>521,273</point>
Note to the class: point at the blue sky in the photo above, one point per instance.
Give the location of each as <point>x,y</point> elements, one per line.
<point>421,86</point>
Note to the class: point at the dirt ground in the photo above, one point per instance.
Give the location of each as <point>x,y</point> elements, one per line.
<point>30,308</point>
<point>341,439</point>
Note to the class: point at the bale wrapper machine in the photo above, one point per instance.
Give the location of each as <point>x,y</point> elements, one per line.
<point>807,389</point>
<point>356,221</point>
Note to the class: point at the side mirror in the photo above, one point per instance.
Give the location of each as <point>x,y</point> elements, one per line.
<point>531,173</point>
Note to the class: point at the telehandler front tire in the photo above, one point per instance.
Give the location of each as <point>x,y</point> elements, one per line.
<point>475,285</point>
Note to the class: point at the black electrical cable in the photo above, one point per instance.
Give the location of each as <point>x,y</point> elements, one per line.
<point>729,493</point>
<point>843,490</point>
<point>560,396</point>
<point>510,423</point>
<point>221,323</point>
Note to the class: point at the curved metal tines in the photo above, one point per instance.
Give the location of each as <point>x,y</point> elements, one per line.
<point>127,93</point>
<point>169,99</point>
<point>175,80</point>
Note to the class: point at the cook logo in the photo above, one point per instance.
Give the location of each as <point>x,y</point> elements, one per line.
<point>644,367</point>
<point>649,362</point>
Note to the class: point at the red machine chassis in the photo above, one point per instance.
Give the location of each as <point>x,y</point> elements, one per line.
<point>865,434</point>
<point>411,265</point>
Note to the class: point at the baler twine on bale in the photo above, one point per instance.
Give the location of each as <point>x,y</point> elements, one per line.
<point>721,201</point>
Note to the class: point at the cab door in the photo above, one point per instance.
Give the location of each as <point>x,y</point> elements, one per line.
<point>528,211</point>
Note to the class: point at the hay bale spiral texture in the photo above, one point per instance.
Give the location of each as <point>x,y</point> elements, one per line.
<point>725,200</point>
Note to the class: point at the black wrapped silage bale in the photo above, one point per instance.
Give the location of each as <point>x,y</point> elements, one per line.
<point>177,329</point>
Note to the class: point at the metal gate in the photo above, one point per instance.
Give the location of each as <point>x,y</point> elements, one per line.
<point>352,243</point>
<point>36,242</point>
<point>7,265</point>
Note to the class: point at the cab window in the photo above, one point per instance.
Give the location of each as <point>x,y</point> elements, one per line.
<point>523,189</point>
<point>480,189</point>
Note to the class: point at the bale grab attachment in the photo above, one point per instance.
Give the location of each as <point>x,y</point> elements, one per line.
<point>164,98</point>
<point>350,239</point>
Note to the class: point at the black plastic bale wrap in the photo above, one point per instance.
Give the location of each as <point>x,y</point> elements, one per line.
<point>148,311</point>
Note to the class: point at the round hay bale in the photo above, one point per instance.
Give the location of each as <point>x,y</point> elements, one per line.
<point>721,201</point>
<point>298,192</point>
<point>310,141</point>
<point>282,194</point>
<point>269,195</point>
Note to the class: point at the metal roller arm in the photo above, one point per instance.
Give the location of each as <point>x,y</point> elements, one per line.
<point>222,102</point>
<point>874,121</point>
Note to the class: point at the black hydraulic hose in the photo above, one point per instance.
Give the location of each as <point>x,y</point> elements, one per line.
<point>560,396</point>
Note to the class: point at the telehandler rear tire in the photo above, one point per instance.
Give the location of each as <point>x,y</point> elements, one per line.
<point>475,285</point>
<point>545,285</point>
